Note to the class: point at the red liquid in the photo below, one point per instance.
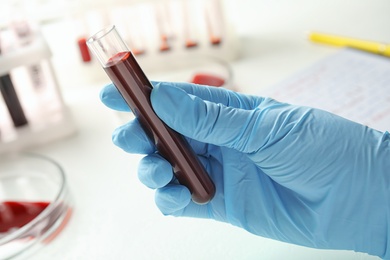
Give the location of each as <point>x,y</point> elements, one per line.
<point>207,79</point>
<point>15,214</point>
<point>191,44</point>
<point>135,88</point>
<point>84,51</point>
<point>215,40</point>
<point>164,44</point>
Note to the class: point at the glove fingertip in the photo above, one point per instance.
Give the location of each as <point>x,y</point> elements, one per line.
<point>154,172</point>
<point>111,98</point>
<point>117,137</point>
<point>105,91</point>
<point>132,139</point>
<point>172,199</point>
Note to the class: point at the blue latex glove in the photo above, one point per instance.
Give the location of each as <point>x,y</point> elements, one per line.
<point>291,173</point>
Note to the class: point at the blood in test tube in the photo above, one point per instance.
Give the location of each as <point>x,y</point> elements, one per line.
<point>215,40</point>
<point>128,77</point>
<point>164,46</point>
<point>83,48</point>
<point>191,44</point>
<point>136,89</point>
<point>213,18</point>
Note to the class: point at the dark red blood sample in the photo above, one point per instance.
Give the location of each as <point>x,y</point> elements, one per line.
<point>135,88</point>
<point>208,79</point>
<point>84,51</point>
<point>15,214</point>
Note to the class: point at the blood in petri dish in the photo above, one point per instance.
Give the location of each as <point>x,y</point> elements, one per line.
<point>135,88</point>
<point>207,79</point>
<point>15,214</point>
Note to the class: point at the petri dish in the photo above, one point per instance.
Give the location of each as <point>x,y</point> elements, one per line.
<point>203,70</point>
<point>35,203</point>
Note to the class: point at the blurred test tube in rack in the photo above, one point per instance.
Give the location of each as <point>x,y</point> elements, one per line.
<point>214,20</point>
<point>7,86</point>
<point>189,26</point>
<point>26,32</point>
<point>169,29</point>
<point>129,29</point>
<point>82,34</point>
<point>163,26</point>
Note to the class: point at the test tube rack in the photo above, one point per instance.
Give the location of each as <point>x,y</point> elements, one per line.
<point>158,32</point>
<point>33,78</point>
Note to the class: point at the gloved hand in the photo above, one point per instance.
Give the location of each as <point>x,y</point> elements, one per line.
<point>291,173</point>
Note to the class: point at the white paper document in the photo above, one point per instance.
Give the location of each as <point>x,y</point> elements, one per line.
<point>350,83</point>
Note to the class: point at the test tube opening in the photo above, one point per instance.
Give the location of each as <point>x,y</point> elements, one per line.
<point>106,44</point>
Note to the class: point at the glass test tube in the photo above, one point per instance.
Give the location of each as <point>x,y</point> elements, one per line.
<point>11,99</point>
<point>128,77</point>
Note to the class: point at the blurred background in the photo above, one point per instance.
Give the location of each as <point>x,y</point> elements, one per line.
<point>50,105</point>
<point>44,50</point>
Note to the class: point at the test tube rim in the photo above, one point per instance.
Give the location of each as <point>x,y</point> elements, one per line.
<point>100,34</point>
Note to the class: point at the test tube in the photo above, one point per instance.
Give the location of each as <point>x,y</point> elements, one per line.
<point>12,101</point>
<point>135,88</point>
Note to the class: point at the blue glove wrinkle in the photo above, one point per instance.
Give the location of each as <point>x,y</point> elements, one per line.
<point>324,189</point>
<point>219,95</point>
<point>283,126</point>
<point>270,198</point>
<point>132,139</point>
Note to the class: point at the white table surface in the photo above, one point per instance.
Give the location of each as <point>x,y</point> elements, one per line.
<point>114,214</point>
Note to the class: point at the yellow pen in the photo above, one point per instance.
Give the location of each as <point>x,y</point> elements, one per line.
<point>364,45</point>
